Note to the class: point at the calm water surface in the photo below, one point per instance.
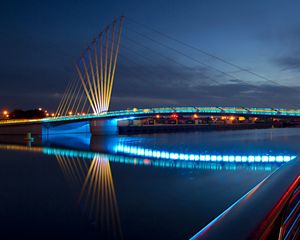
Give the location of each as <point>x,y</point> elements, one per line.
<point>79,187</point>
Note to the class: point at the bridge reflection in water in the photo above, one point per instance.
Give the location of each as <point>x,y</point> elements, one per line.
<point>97,197</point>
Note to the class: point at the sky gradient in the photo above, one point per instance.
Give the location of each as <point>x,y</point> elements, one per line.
<point>42,40</point>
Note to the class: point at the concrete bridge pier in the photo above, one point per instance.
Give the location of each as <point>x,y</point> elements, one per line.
<point>52,128</point>
<point>104,126</point>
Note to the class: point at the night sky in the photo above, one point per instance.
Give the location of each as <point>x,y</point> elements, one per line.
<point>40,41</point>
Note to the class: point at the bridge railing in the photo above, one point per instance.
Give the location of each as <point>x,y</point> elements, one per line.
<point>169,110</point>
<point>269,211</point>
<point>14,121</point>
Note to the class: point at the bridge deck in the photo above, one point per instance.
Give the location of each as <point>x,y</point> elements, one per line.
<point>276,112</point>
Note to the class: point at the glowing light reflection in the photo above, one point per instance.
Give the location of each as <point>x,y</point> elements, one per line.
<point>97,197</point>
<point>171,159</point>
<point>153,153</point>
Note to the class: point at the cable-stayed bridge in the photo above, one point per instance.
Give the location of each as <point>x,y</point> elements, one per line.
<point>86,101</point>
<point>85,108</point>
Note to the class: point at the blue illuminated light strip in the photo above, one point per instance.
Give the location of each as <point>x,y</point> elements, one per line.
<point>142,161</point>
<point>164,163</point>
<point>152,153</point>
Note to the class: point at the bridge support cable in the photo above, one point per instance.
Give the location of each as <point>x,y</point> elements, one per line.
<point>76,99</point>
<point>65,99</point>
<point>89,109</point>
<point>101,77</point>
<point>84,106</point>
<point>80,103</point>
<point>140,55</point>
<point>90,86</point>
<point>62,99</point>
<point>115,61</point>
<point>183,54</point>
<point>69,99</point>
<point>97,89</point>
<point>110,60</point>
<point>239,68</point>
<point>224,62</point>
<point>195,60</point>
<point>94,86</point>
<point>131,49</point>
<point>147,71</point>
<point>97,65</point>
<point>105,65</point>
<point>168,59</point>
<point>66,108</point>
<point>85,88</point>
<point>132,72</point>
<point>72,99</point>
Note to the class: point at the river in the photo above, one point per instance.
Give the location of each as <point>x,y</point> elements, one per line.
<point>132,187</point>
